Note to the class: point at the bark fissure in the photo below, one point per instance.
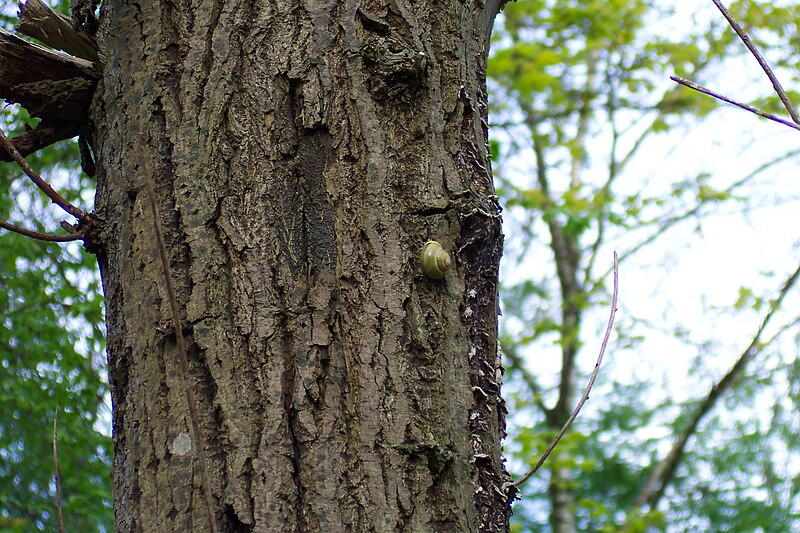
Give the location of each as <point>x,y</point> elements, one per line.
<point>291,423</point>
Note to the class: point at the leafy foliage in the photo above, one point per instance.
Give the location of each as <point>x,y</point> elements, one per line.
<point>579,92</point>
<point>51,356</point>
<point>51,351</point>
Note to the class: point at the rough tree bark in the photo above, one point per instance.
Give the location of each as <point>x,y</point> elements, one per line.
<point>302,152</point>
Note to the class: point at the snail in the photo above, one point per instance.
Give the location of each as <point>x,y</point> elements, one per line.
<point>434,260</point>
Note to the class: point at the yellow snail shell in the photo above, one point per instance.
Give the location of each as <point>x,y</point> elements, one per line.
<point>434,259</point>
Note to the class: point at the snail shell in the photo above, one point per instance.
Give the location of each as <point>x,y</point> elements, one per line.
<point>434,260</point>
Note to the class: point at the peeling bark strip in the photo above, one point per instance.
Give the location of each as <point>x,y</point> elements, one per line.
<point>302,154</point>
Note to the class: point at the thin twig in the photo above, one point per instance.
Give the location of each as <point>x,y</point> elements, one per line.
<point>709,92</point>
<point>59,200</point>
<point>182,353</point>
<point>55,469</point>
<point>592,378</point>
<point>761,61</point>
<point>41,236</point>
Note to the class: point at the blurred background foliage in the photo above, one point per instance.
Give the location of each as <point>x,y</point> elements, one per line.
<point>581,114</point>
<point>586,140</point>
<point>52,348</point>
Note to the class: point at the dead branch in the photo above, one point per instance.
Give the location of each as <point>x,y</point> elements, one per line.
<point>41,236</point>
<point>665,471</point>
<point>22,61</point>
<point>37,20</point>
<point>755,110</point>
<point>49,100</point>
<point>59,200</point>
<point>512,490</point>
<point>40,137</point>
<point>764,66</point>
<point>55,87</point>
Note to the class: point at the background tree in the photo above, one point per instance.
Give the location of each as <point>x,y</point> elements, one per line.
<point>51,354</point>
<point>579,91</point>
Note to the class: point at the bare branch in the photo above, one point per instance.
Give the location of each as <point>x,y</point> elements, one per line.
<point>55,470</point>
<point>41,236</point>
<point>747,107</point>
<point>664,472</point>
<point>52,28</point>
<point>528,379</point>
<point>62,202</point>
<point>514,486</point>
<point>761,61</point>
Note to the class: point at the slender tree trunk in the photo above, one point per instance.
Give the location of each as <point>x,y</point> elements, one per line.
<point>562,496</point>
<point>301,153</point>
<point>567,257</point>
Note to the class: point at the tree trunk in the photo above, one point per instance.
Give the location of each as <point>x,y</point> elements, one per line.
<point>301,153</point>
